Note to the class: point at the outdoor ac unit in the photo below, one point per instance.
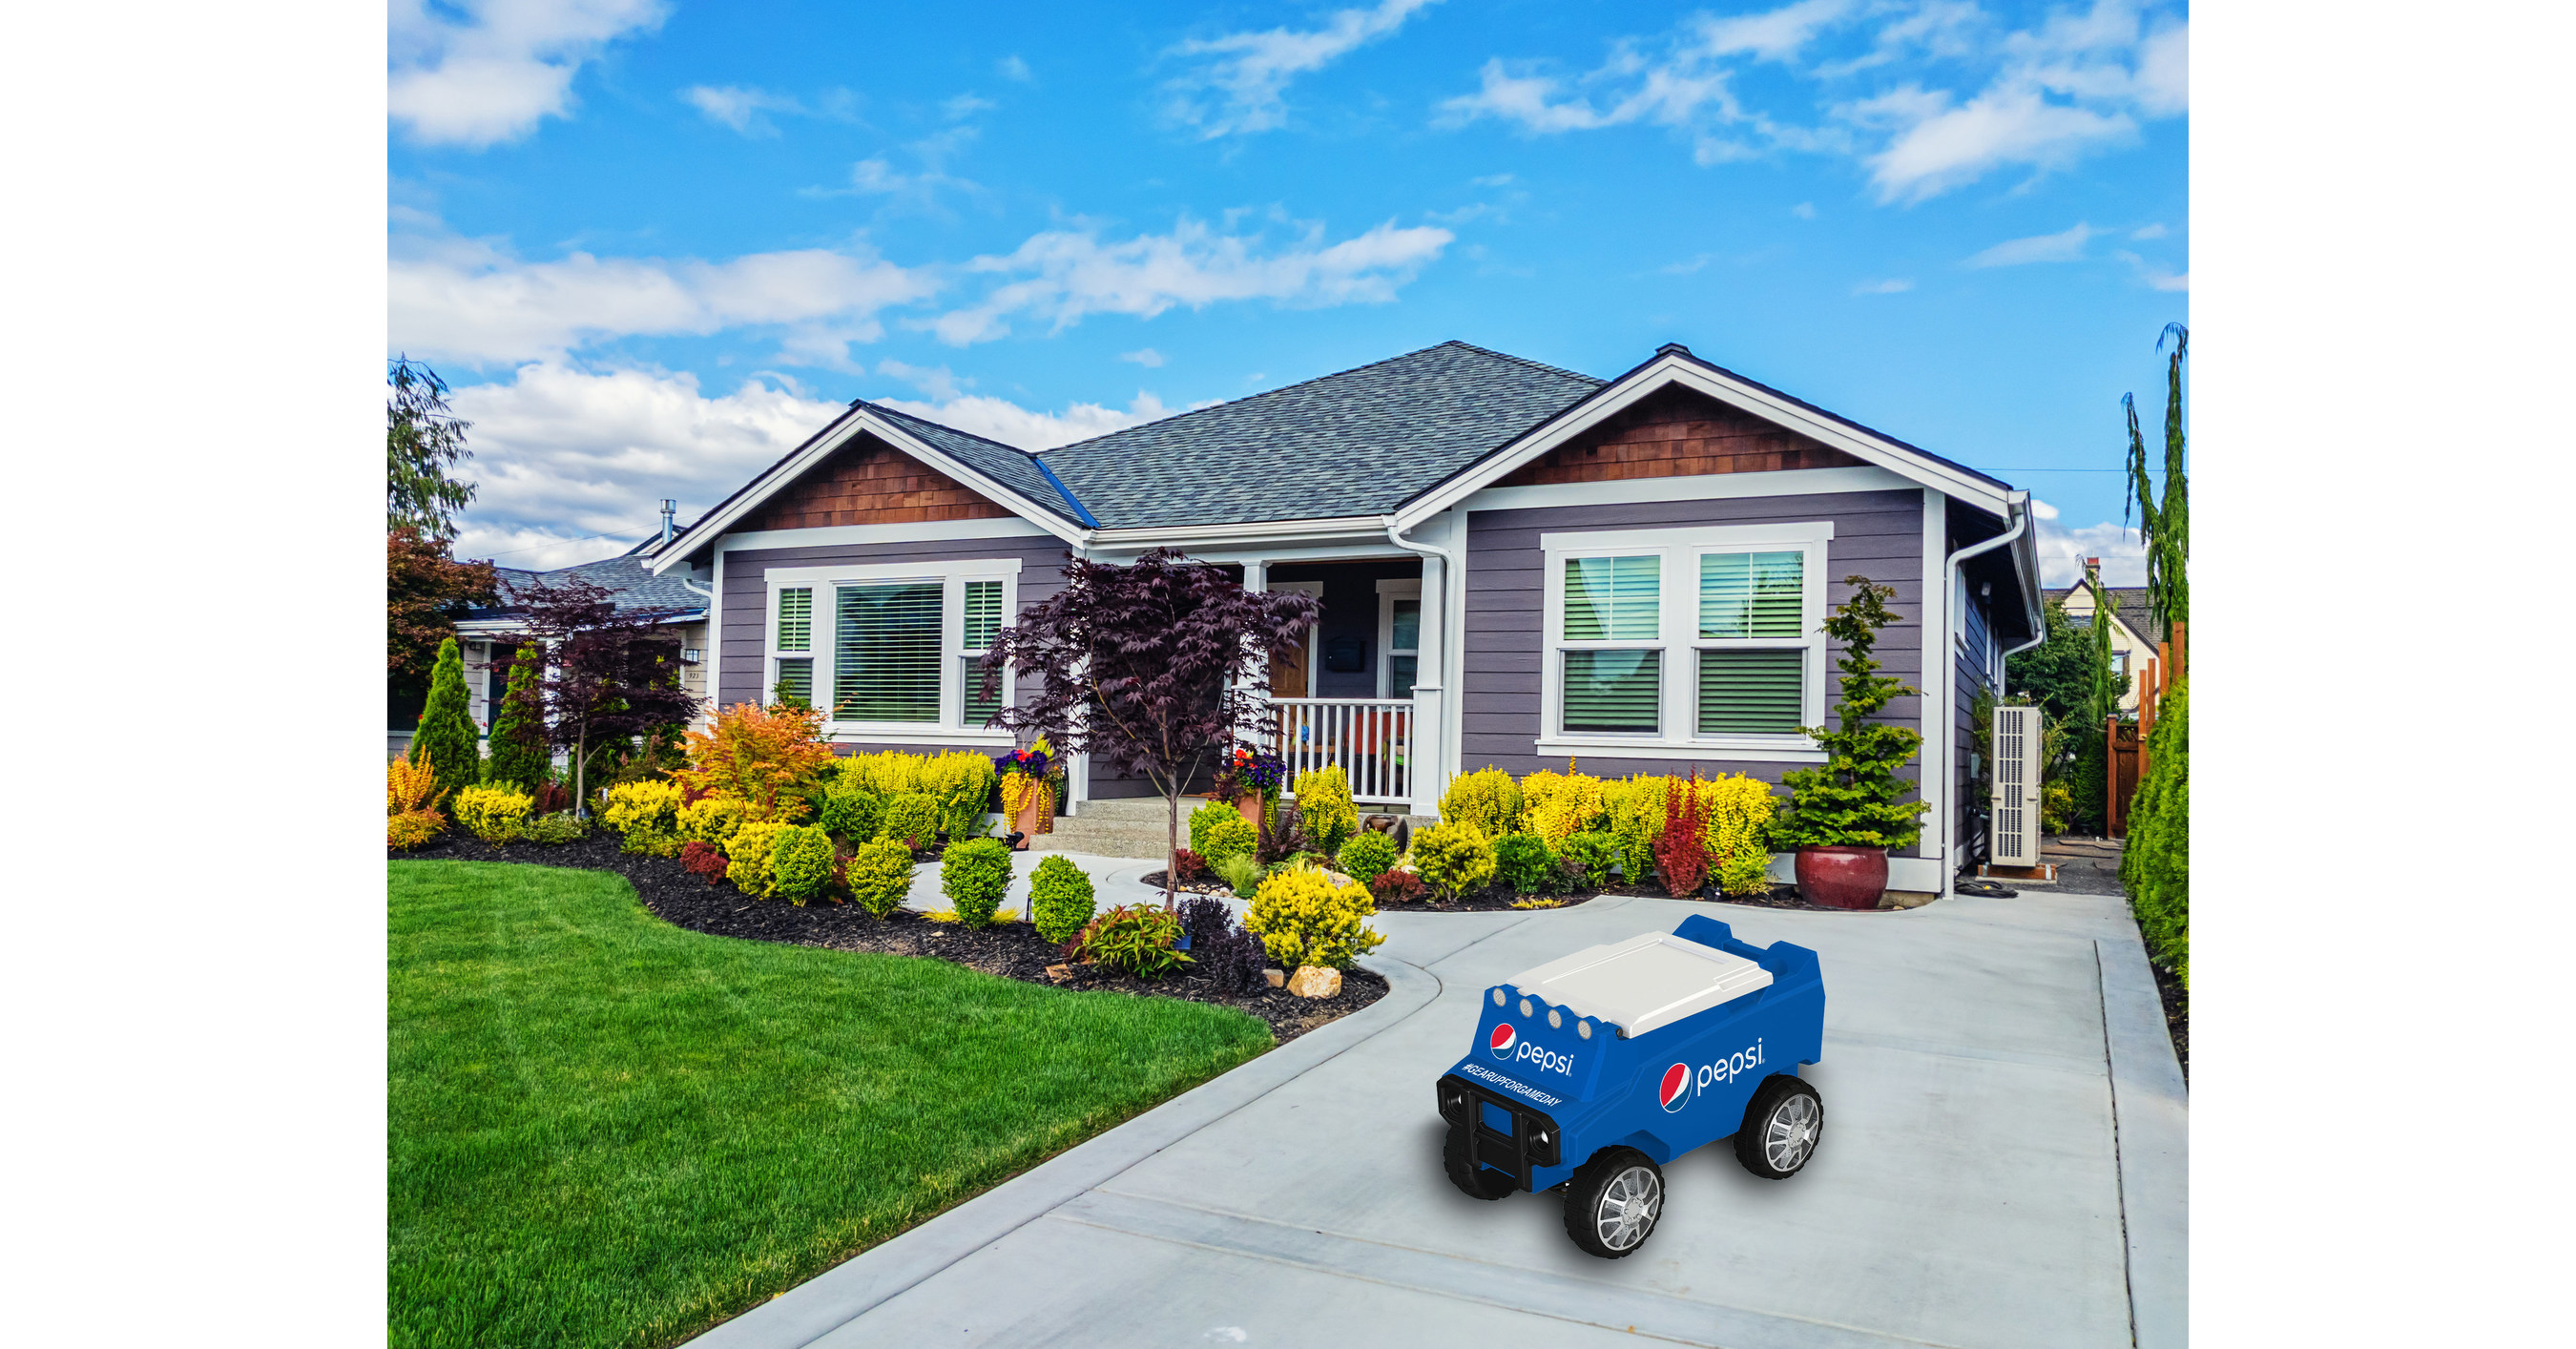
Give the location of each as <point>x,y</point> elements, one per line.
<point>2016,800</point>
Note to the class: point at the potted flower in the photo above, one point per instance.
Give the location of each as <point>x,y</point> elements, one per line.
<point>1250,779</point>
<point>1844,815</point>
<point>1025,802</point>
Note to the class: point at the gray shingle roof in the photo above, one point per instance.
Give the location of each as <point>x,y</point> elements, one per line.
<point>2129,603</point>
<point>1356,443</point>
<point>1012,468</point>
<point>626,576</point>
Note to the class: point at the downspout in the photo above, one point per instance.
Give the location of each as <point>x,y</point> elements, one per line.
<point>1431,768</point>
<point>2017,506</point>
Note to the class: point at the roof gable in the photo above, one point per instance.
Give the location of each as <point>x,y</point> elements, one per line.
<point>869,482</point>
<point>1676,432</point>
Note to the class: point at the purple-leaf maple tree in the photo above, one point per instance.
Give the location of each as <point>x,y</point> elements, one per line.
<point>1156,668</point>
<point>607,673</point>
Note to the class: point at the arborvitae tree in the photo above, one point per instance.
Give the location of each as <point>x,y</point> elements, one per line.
<point>447,735</point>
<point>519,757</point>
<point>2164,525</point>
<point>1851,801</point>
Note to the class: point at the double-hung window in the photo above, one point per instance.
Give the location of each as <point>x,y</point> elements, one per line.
<point>1399,636</point>
<point>1664,643</point>
<point>891,649</point>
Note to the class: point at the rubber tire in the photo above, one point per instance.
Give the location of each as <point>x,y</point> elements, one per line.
<point>1458,1158</point>
<point>1583,1196</point>
<point>1757,1118</point>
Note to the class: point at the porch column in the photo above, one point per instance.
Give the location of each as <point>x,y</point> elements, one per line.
<point>1256,580</point>
<point>1425,759</point>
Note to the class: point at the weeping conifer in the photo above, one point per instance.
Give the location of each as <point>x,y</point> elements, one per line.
<point>447,736</point>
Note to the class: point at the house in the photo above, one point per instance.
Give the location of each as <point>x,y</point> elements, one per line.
<point>2131,646</point>
<point>486,637</point>
<point>1517,565</point>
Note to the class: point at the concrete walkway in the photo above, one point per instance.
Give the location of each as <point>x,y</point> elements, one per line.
<point>2003,1165</point>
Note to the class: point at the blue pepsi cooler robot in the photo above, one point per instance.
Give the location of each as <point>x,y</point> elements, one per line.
<point>1595,1071</point>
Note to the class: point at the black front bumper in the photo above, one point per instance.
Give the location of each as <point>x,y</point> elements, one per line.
<point>1534,1141</point>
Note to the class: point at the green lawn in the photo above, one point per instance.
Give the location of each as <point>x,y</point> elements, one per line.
<point>606,1130</point>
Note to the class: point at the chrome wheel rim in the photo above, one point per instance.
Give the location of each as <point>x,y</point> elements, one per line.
<point>1791,1134</point>
<point>1628,1207</point>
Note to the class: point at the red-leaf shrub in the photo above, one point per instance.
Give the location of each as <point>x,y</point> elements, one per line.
<point>551,797</point>
<point>1194,868</point>
<point>1682,851</point>
<point>704,859</point>
<point>1396,887</point>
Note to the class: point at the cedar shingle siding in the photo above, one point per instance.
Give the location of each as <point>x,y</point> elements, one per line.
<point>1673,433</point>
<point>868,482</point>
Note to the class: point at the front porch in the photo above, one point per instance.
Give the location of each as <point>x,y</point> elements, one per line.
<point>1353,695</point>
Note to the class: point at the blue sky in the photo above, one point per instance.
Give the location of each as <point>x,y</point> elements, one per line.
<point>654,245</point>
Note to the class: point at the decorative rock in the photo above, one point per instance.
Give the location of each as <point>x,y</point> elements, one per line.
<point>1276,977</point>
<point>1316,981</point>
<point>1059,973</point>
<point>1336,878</point>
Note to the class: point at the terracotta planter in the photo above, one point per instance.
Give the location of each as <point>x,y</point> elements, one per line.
<point>1025,822</point>
<point>1250,804</point>
<point>1842,878</point>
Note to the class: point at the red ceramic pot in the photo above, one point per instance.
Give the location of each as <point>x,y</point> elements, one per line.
<point>1842,878</point>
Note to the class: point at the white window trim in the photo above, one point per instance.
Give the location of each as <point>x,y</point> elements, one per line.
<point>1677,608</point>
<point>1388,592</point>
<point>952,574</point>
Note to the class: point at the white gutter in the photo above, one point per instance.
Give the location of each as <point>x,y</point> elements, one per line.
<point>1431,714</point>
<point>2018,506</point>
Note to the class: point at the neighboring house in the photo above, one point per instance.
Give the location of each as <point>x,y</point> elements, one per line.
<point>488,636</point>
<point>1517,565</point>
<point>2131,646</point>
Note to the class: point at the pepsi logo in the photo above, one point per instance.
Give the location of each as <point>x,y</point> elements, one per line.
<point>1675,1092</point>
<point>1503,1039</point>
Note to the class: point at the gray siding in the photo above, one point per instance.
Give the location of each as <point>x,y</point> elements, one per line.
<point>1974,672</point>
<point>1876,534</point>
<point>746,595</point>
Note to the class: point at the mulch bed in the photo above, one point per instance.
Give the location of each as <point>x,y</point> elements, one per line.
<point>1010,950</point>
<point>1499,897</point>
<point>2177,1015</point>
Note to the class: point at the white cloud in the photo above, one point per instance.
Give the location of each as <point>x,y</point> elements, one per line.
<point>1063,275</point>
<point>470,300</point>
<point>2062,551</point>
<point>2154,275</point>
<point>740,108</point>
<point>2078,83</point>
<point>562,452</point>
<point>1241,79</point>
<point>1003,420</point>
<point>1892,286</point>
<point>1805,210</point>
<point>2063,246</point>
<point>493,71</point>
<point>966,105</point>
<point>1013,68</point>
<point>1492,180</point>
<point>1148,358</point>
<point>2156,231</point>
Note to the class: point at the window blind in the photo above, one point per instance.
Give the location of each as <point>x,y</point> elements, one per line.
<point>796,619</point>
<point>1751,692</point>
<point>1406,625</point>
<point>795,682</point>
<point>1615,691</point>
<point>1752,595</point>
<point>983,614</point>
<point>885,653</point>
<point>1612,599</point>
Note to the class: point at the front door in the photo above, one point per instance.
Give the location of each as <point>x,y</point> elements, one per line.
<point>1291,675</point>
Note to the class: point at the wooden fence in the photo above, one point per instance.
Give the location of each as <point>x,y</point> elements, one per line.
<point>2129,759</point>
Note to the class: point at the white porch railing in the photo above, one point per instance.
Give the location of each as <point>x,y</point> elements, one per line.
<point>1371,739</point>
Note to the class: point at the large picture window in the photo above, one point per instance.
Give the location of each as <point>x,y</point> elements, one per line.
<point>889,649</point>
<point>1672,642</point>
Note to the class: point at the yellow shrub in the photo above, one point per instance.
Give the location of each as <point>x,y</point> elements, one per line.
<point>494,814</point>
<point>641,805</point>
<point>409,789</point>
<point>411,828</point>
<point>1635,807</point>
<point>1324,806</point>
<point>711,820</point>
<point>747,855</point>
<point>959,781</point>
<point>1015,794</point>
<point>1454,857</point>
<point>1738,809</point>
<point>1566,805</point>
<point>1305,919</point>
<point>1486,798</point>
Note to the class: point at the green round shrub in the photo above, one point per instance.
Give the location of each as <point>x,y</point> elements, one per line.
<point>1206,815</point>
<point>1233,836</point>
<point>1526,864</point>
<point>1598,852</point>
<point>912,818</point>
<point>880,875</point>
<point>1060,898</point>
<point>852,811</point>
<point>800,863</point>
<point>1367,856</point>
<point>975,875</point>
<point>1454,858</point>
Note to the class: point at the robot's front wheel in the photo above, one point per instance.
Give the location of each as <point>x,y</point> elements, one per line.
<point>1458,1158</point>
<point>1613,1202</point>
<point>1782,1126</point>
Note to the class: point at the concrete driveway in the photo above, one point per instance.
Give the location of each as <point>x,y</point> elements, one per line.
<point>2003,1164</point>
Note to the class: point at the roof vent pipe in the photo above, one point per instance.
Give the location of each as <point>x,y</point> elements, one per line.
<point>668,506</point>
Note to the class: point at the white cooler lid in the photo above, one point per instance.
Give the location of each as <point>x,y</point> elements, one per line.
<point>1650,980</point>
